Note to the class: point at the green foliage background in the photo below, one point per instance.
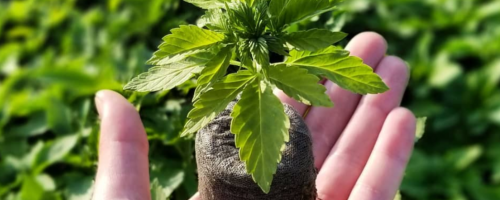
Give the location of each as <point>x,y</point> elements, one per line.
<point>55,54</point>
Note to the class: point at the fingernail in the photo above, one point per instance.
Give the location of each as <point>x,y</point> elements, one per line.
<point>99,102</point>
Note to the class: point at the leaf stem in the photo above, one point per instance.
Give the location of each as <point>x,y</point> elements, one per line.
<point>234,62</point>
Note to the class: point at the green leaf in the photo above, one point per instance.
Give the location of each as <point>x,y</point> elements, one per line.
<point>247,21</point>
<point>31,189</point>
<point>193,56</point>
<point>209,4</point>
<point>260,52</point>
<point>166,77</point>
<point>58,116</point>
<point>157,191</point>
<point>261,128</point>
<point>213,71</point>
<point>420,130</point>
<point>314,39</point>
<point>216,68</point>
<point>348,72</point>
<point>184,39</point>
<point>276,45</point>
<point>300,85</point>
<point>81,189</point>
<point>215,20</point>
<point>169,173</point>
<point>286,12</point>
<point>54,152</point>
<point>215,100</point>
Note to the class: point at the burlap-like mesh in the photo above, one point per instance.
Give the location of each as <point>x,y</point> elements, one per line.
<point>222,175</point>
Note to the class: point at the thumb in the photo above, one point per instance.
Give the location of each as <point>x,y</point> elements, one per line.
<point>122,171</point>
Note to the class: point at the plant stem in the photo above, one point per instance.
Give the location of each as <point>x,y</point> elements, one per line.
<point>234,62</point>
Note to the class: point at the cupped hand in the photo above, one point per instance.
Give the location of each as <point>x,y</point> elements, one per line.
<point>361,145</point>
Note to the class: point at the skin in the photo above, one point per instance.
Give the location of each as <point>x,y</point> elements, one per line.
<point>361,145</point>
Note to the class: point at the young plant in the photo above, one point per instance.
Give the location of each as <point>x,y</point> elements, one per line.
<point>243,33</point>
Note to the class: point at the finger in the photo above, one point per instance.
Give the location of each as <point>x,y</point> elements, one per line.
<point>326,124</point>
<point>122,171</point>
<point>348,157</point>
<point>388,160</point>
<point>195,196</point>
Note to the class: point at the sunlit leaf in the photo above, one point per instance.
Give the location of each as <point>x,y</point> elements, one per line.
<point>184,39</point>
<point>314,39</point>
<point>300,85</point>
<point>209,4</point>
<point>286,12</point>
<point>215,100</point>
<point>261,128</point>
<point>348,72</point>
<point>214,70</point>
<point>165,77</point>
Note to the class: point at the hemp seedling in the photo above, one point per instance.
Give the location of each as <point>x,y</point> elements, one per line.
<point>242,33</point>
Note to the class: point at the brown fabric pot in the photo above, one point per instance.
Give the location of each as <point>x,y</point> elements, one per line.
<point>222,176</point>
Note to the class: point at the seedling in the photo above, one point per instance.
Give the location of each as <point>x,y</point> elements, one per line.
<point>242,33</point>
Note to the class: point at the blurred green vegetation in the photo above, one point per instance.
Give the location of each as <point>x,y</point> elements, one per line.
<point>55,54</point>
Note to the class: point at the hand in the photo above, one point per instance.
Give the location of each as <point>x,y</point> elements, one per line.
<point>361,146</point>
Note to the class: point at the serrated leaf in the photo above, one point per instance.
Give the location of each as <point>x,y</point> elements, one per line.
<point>209,4</point>
<point>276,45</point>
<point>215,100</point>
<point>314,39</point>
<point>348,72</point>
<point>286,12</point>
<point>216,20</point>
<point>217,67</point>
<point>259,52</point>
<point>300,85</point>
<point>200,89</point>
<point>420,130</point>
<point>198,56</point>
<point>184,39</point>
<point>247,21</point>
<point>213,71</point>
<point>261,128</point>
<point>164,77</point>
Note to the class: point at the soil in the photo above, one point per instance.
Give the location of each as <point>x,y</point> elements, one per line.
<point>222,176</point>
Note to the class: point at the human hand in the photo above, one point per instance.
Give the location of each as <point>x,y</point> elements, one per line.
<point>123,168</point>
<point>361,146</point>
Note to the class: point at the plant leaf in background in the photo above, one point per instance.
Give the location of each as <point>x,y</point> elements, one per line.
<point>156,191</point>
<point>420,130</point>
<point>348,72</point>
<point>314,39</point>
<point>59,46</point>
<point>261,128</point>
